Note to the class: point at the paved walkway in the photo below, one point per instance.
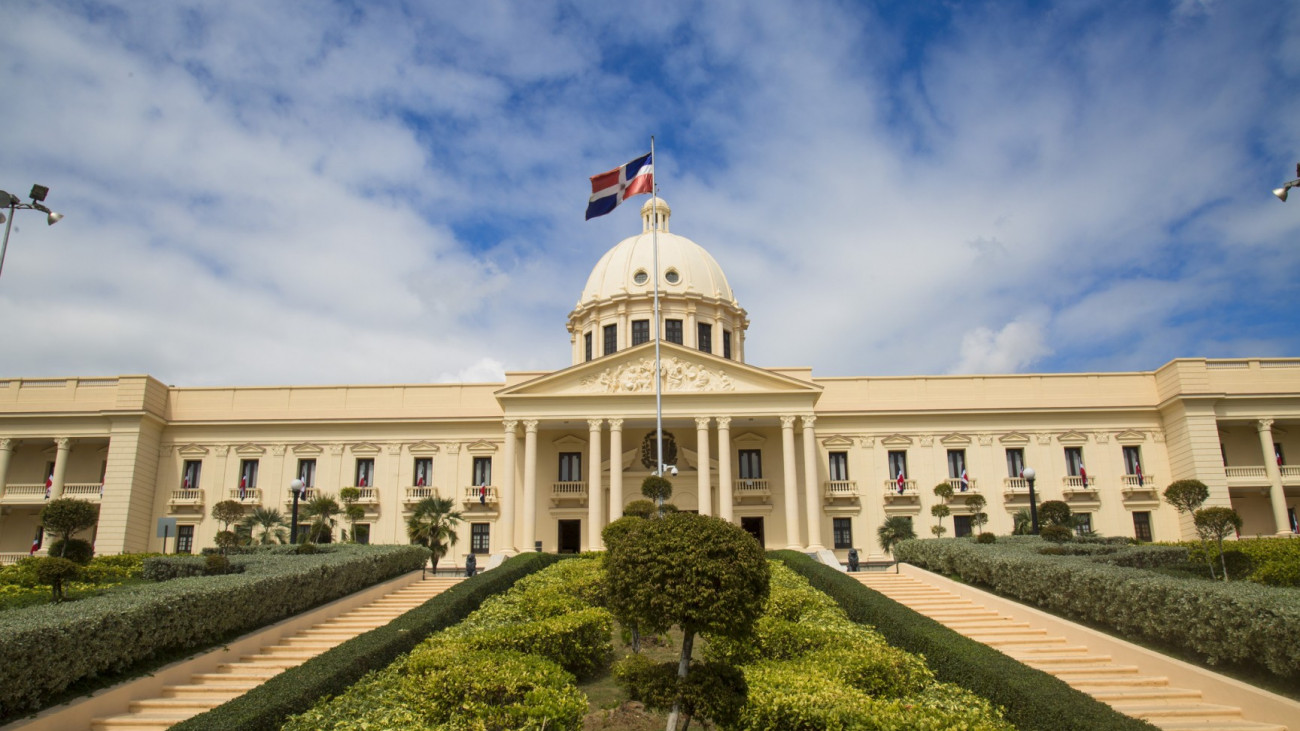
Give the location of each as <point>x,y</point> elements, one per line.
<point>1165,692</point>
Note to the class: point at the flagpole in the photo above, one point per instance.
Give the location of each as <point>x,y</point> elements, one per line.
<point>659,396</point>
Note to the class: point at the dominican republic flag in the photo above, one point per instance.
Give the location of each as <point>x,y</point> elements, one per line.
<point>1137,470</point>
<point>361,482</point>
<point>1279,458</point>
<point>36,542</point>
<point>49,485</point>
<point>243,488</point>
<point>185,484</point>
<point>611,188</point>
<point>965,481</point>
<point>482,494</point>
<point>900,482</point>
<point>419,481</point>
<point>1083,474</point>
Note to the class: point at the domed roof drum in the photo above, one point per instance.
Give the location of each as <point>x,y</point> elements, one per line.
<point>684,266</point>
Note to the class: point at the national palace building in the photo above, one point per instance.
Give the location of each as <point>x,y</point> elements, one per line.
<point>546,459</point>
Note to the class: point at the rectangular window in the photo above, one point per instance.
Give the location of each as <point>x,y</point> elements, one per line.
<point>482,471</point>
<point>480,538</point>
<point>365,473</point>
<point>307,472</point>
<point>961,526</point>
<point>726,344</point>
<point>839,467</point>
<point>640,331</point>
<point>586,342</point>
<point>184,539</point>
<point>611,339</point>
<point>704,336</point>
<point>1132,460</point>
<point>570,466</point>
<point>247,473</point>
<point>423,471</point>
<point>1082,523</point>
<point>956,462</point>
<point>1073,460</point>
<point>190,474</point>
<point>1015,462</point>
<point>1142,526</point>
<point>361,534</point>
<point>897,464</point>
<point>673,331</point>
<point>843,531</point>
<point>751,464</point>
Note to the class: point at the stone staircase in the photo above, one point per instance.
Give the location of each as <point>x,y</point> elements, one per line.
<point>230,680</point>
<point>1121,683</point>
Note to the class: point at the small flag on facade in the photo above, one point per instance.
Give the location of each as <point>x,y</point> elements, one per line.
<point>900,481</point>
<point>243,487</point>
<point>49,485</point>
<point>1137,470</point>
<point>611,188</point>
<point>1083,474</point>
<point>482,494</point>
<point>965,481</point>
<point>36,542</point>
<point>419,481</point>
<point>361,482</point>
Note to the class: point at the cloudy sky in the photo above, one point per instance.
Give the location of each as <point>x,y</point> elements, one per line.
<point>370,192</point>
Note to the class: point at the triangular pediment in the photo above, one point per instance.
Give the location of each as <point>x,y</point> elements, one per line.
<point>1130,437</point>
<point>570,442</point>
<point>192,450</point>
<point>365,448</point>
<point>955,440</point>
<point>249,450</point>
<point>1014,439</point>
<point>307,448</point>
<point>482,446</point>
<point>424,449</point>
<point>837,441</point>
<point>896,440</point>
<point>749,439</point>
<point>684,371</point>
<point>1073,438</point>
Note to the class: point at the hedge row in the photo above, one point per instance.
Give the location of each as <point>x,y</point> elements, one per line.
<point>50,647</point>
<point>1030,699</point>
<point>333,672</point>
<point>1239,622</point>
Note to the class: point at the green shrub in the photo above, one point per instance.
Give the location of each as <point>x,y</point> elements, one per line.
<point>986,538</point>
<point>75,550</point>
<point>577,641</point>
<point>1147,557</point>
<point>54,571</point>
<point>1055,512</point>
<point>711,692</point>
<point>1275,561</point>
<point>1056,533</point>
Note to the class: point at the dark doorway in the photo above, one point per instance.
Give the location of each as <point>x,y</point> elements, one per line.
<point>961,525</point>
<point>1142,526</point>
<point>754,526</point>
<point>570,536</point>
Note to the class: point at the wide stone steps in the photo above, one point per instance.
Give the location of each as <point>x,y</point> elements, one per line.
<point>231,680</point>
<point>1123,686</point>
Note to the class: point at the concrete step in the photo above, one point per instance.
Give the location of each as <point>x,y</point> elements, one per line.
<point>139,721</point>
<point>194,705</point>
<point>1093,670</point>
<point>1176,710</point>
<point>1038,640</point>
<point>1218,725</point>
<point>1128,695</point>
<point>1130,681</point>
<point>1021,631</point>
<point>235,674</point>
<point>1068,660</point>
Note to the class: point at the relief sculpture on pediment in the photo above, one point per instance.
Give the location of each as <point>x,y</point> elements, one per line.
<point>638,377</point>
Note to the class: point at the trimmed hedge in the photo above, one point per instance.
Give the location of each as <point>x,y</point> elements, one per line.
<point>1240,622</point>
<point>333,672</point>
<point>58,645</point>
<point>1031,699</point>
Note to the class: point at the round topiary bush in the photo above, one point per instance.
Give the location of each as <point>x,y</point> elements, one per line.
<point>75,550</point>
<point>1054,512</point>
<point>54,571</point>
<point>986,538</point>
<point>1056,533</point>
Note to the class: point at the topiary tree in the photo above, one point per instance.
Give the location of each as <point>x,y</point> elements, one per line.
<point>939,511</point>
<point>1187,496</point>
<point>1055,512</point>
<point>352,511</point>
<point>1217,523</point>
<point>696,572</point>
<point>433,525</point>
<point>54,570</point>
<point>65,517</point>
<point>74,549</point>
<point>893,531</point>
<point>975,504</point>
<point>227,512</point>
<point>943,491</point>
<point>657,490</point>
<point>640,509</point>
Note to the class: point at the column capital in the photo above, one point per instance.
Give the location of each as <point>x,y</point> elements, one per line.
<point>595,424</point>
<point>615,425</point>
<point>787,422</point>
<point>511,425</point>
<point>530,426</point>
<point>702,422</point>
<point>63,442</point>
<point>809,421</point>
<point>1265,425</point>
<point>6,444</point>
<point>724,422</point>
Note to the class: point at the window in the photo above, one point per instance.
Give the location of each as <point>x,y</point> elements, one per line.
<point>726,344</point>
<point>1082,523</point>
<point>843,531</point>
<point>1073,460</point>
<point>1015,462</point>
<point>1132,460</point>
<point>307,472</point>
<point>640,331</point>
<point>361,534</point>
<point>897,465</point>
<point>480,538</point>
<point>704,336</point>
<point>365,472</point>
<point>839,468</point>
<point>611,339</point>
<point>673,331</point>
<point>570,466</point>
<point>423,471</point>
<point>751,464</point>
<point>247,474</point>
<point>1142,526</point>
<point>640,277</point>
<point>672,276</point>
<point>961,526</point>
<point>189,474</point>
<point>956,462</point>
<point>184,538</point>
<point>482,471</point>
<point>586,343</point>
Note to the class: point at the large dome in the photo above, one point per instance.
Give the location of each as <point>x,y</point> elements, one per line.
<point>684,266</point>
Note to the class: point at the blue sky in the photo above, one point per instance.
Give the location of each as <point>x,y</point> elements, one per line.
<point>266,193</point>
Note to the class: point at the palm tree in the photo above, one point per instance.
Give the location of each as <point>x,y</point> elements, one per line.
<point>893,531</point>
<point>1022,523</point>
<point>433,525</point>
<point>271,521</point>
<point>322,509</point>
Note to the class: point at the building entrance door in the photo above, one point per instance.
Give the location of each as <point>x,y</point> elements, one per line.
<point>754,526</point>
<point>569,536</point>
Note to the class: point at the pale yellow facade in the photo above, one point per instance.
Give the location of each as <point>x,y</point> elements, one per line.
<point>548,458</point>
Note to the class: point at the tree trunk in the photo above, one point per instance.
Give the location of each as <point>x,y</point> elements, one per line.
<point>1222,562</point>
<point>683,665</point>
<point>1205,546</point>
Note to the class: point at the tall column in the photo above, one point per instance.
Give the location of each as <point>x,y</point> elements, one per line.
<point>702,446</point>
<point>62,446</point>
<point>615,469</point>
<point>506,498</point>
<point>1275,494</point>
<point>791,485</point>
<point>6,451</point>
<point>812,500</point>
<point>594,489</point>
<point>724,469</point>
<point>529,511</point>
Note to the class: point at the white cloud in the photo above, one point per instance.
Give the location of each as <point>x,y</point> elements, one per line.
<point>1017,346</point>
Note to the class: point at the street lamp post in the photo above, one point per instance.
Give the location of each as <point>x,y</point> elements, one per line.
<point>1281,192</point>
<point>16,204</point>
<point>1029,475</point>
<point>296,486</point>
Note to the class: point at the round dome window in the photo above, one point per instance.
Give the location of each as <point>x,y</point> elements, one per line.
<point>640,277</point>
<point>672,276</point>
